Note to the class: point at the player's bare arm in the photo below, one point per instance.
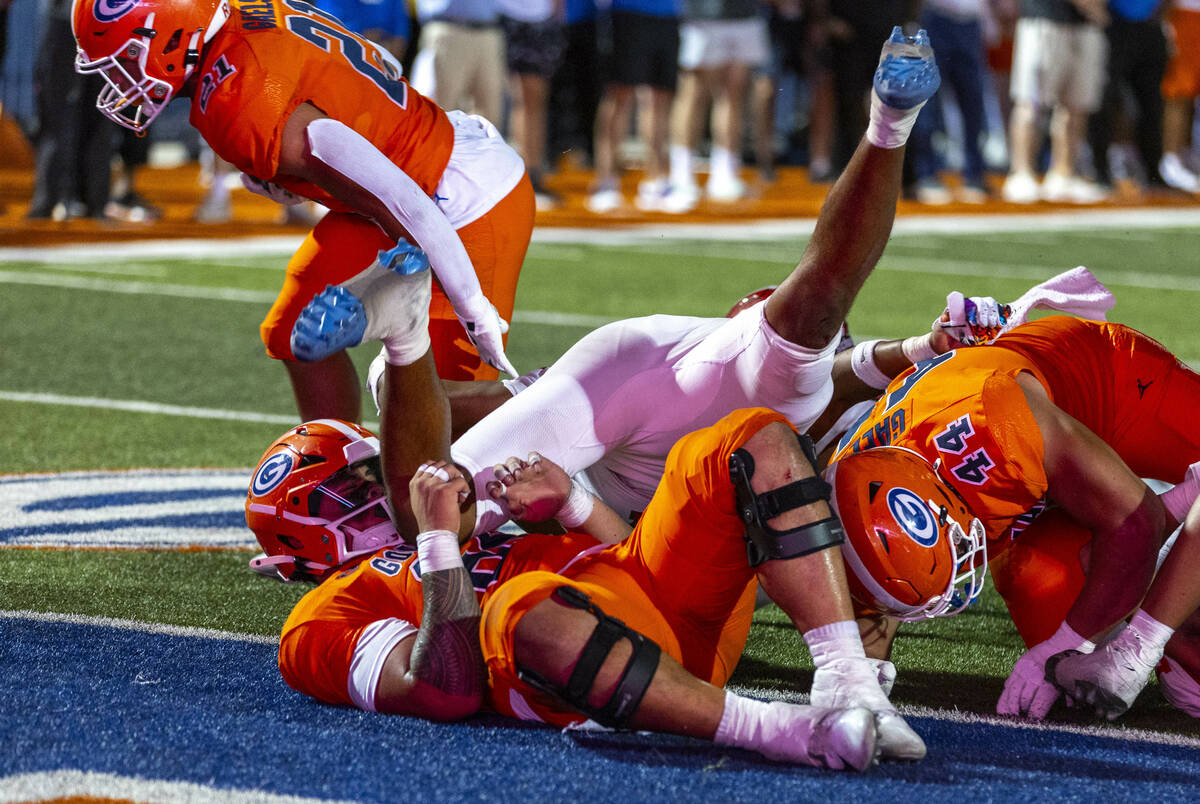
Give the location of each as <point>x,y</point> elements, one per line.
<point>1089,480</point>
<point>439,673</point>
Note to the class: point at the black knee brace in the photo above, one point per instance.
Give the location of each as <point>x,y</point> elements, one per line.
<point>764,543</point>
<point>635,678</point>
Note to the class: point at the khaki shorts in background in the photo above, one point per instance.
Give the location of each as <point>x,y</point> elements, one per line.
<point>1059,64</point>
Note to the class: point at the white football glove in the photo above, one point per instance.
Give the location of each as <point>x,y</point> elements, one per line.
<point>485,329</point>
<point>272,191</point>
<point>972,321</point>
<point>1027,693</point>
<point>849,683</point>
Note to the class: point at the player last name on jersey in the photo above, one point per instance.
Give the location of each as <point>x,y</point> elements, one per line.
<point>257,14</point>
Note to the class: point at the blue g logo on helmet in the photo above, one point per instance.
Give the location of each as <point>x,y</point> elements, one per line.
<point>272,472</point>
<point>112,10</point>
<point>913,516</point>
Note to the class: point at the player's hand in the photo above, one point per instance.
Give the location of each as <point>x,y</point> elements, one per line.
<point>530,490</point>
<point>436,491</point>
<point>850,683</point>
<point>272,191</point>
<point>1109,679</point>
<point>485,329</point>
<point>969,322</point>
<point>1027,693</point>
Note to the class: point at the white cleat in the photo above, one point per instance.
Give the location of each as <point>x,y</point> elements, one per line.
<point>857,683</point>
<point>843,738</point>
<point>1109,679</point>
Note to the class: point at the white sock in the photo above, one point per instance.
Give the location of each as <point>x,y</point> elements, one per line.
<point>1151,631</point>
<point>722,165</point>
<point>833,642</point>
<point>681,165</point>
<point>889,128</point>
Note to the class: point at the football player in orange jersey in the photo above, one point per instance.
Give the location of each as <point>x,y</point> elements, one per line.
<point>950,462</point>
<point>308,109</point>
<point>642,633</point>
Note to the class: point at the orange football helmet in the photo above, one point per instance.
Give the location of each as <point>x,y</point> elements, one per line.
<point>317,500</point>
<point>750,299</point>
<point>145,50</point>
<point>913,548</point>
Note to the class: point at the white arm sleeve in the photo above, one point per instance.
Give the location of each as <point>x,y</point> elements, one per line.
<point>553,417</point>
<point>349,153</point>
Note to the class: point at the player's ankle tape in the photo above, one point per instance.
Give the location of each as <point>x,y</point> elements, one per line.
<point>889,128</point>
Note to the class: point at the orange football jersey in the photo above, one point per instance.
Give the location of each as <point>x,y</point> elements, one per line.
<point>274,55</point>
<point>965,409</point>
<point>317,645</point>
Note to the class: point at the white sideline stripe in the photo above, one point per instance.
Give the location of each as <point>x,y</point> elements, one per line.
<point>137,288</point>
<point>241,295</point>
<point>49,785</point>
<point>134,406</point>
<point>1062,221</point>
<point>136,625</point>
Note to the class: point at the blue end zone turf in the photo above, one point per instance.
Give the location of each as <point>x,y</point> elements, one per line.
<point>216,713</point>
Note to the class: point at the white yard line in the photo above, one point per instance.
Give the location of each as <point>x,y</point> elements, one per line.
<point>90,785</point>
<point>135,625</point>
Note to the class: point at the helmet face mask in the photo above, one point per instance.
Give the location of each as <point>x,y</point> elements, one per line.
<point>317,501</point>
<point>913,549</point>
<point>146,50</point>
<point>130,97</point>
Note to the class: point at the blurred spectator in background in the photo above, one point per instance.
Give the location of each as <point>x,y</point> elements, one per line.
<point>384,22</point>
<point>1180,87</point>
<point>720,41</point>
<point>955,29</point>
<point>73,144</point>
<point>535,40</point>
<point>460,56</point>
<point>799,50</point>
<point>638,42</point>
<point>125,202</point>
<point>1137,58</point>
<point>575,88</point>
<point>856,30</point>
<point>1059,57</point>
<point>999,28</point>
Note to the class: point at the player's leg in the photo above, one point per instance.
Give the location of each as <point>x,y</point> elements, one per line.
<point>1156,400</point>
<point>856,218</point>
<point>702,548</point>
<point>1041,573</point>
<point>1178,679</point>
<point>554,654</point>
<point>496,242</point>
<point>339,247</point>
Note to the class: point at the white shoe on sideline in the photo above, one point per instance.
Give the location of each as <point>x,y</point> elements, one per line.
<point>1177,175</point>
<point>606,199</point>
<point>725,189</point>
<point>1020,188</point>
<point>681,198</point>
